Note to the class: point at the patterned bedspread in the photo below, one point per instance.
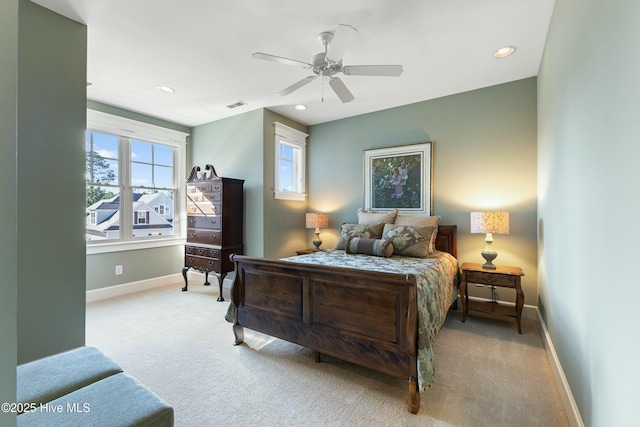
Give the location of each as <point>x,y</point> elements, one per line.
<point>437,279</point>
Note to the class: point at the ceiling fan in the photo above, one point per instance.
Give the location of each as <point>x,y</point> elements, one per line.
<point>329,63</point>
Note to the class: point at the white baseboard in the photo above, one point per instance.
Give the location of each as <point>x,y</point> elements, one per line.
<point>128,288</point>
<point>570,406</point>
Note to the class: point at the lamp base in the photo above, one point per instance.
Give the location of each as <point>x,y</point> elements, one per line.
<point>317,242</point>
<point>489,256</point>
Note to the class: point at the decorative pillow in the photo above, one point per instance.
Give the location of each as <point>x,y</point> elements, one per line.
<point>368,231</point>
<point>421,221</point>
<point>375,247</point>
<point>408,240</point>
<point>375,217</point>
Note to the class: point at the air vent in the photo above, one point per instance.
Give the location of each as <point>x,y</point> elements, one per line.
<point>237,104</point>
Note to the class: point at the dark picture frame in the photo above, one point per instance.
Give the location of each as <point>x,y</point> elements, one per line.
<point>399,178</point>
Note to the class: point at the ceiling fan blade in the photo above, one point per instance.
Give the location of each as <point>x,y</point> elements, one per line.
<point>281,60</point>
<point>297,85</point>
<point>342,39</point>
<point>341,90</point>
<point>372,70</point>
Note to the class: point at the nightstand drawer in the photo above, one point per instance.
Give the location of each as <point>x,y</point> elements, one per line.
<point>491,279</point>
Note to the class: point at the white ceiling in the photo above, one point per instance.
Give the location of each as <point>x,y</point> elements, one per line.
<point>203,48</point>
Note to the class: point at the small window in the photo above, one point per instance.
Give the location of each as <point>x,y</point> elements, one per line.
<point>163,210</point>
<point>142,217</point>
<point>290,161</point>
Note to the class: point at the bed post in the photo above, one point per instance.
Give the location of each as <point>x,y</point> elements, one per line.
<point>238,330</point>
<point>414,396</point>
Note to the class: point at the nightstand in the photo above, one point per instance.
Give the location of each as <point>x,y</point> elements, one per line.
<point>502,276</point>
<point>305,251</point>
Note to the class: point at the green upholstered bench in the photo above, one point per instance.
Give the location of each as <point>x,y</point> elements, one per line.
<point>84,387</point>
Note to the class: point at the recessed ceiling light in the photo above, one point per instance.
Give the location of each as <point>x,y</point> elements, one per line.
<point>503,52</point>
<point>300,107</point>
<point>166,89</point>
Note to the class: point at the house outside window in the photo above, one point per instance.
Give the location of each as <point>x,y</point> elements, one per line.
<point>139,171</point>
<point>290,161</point>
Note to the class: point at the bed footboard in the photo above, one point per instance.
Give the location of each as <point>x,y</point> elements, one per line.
<point>364,317</point>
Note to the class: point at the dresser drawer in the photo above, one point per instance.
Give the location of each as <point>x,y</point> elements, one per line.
<point>202,263</point>
<point>208,222</point>
<point>193,189</point>
<point>206,237</point>
<point>203,208</point>
<point>204,197</point>
<point>491,279</point>
<point>202,251</point>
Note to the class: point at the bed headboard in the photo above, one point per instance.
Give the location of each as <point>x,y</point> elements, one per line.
<point>446,239</point>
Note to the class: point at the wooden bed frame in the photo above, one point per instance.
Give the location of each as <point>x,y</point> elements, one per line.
<point>363,317</point>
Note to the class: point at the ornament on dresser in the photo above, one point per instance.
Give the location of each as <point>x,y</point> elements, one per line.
<point>215,208</point>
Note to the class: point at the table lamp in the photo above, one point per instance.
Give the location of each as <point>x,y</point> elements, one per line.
<point>489,223</point>
<point>317,221</point>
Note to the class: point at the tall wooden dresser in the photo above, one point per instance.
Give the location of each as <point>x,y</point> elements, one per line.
<point>214,224</point>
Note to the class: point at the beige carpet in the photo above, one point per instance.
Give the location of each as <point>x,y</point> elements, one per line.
<point>180,346</point>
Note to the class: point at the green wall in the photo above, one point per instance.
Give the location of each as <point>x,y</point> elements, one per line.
<point>117,111</point>
<point>284,222</point>
<point>9,195</point>
<point>588,151</point>
<point>484,157</point>
<point>142,264</point>
<point>242,147</point>
<point>51,101</point>
<point>137,265</point>
<point>234,147</point>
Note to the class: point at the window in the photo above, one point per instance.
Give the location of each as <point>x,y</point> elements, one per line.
<point>290,160</point>
<point>142,217</point>
<point>134,191</point>
<point>163,210</point>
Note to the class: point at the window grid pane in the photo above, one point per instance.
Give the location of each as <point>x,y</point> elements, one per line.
<point>152,213</point>
<point>149,196</point>
<point>288,155</point>
<point>103,213</point>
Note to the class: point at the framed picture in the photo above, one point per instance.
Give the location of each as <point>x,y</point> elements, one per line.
<point>398,178</point>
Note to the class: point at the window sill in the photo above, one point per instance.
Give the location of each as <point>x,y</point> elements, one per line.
<point>102,248</point>
<point>286,195</point>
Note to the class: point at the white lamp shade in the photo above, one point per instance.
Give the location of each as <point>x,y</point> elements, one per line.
<point>490,222</point>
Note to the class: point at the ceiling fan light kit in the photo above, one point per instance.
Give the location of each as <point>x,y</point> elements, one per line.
<point>329,63</point>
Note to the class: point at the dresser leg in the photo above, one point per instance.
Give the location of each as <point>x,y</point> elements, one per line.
<point>184,274</point>
<point>206,278</point>
<point>220,282</point>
